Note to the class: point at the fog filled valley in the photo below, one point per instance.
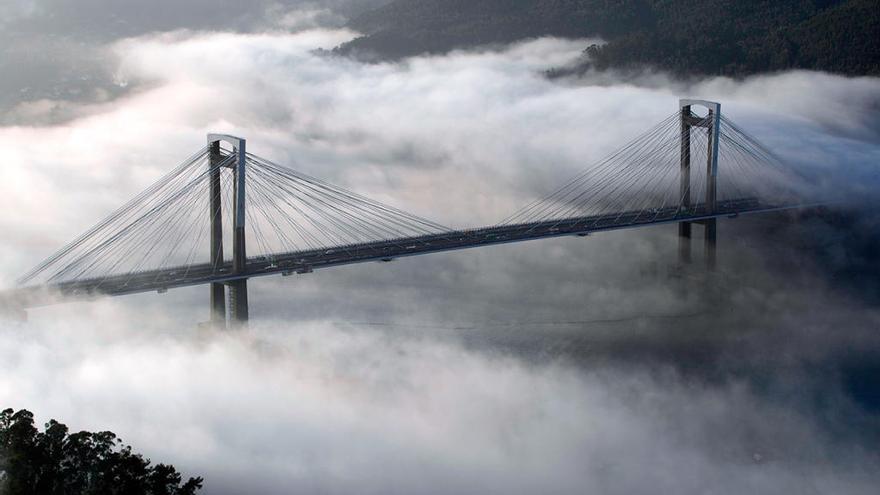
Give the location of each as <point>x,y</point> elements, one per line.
<point>565,365</point>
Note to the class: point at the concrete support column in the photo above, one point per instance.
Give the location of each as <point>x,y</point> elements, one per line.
<point>238,296</point>
<point>711,225</point>
<point>711,233</point>
<point>684,228</point>
<point>684,242</point>
<point>218,294</point>
<point>238,302</point>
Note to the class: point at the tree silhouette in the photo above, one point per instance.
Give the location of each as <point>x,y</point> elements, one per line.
<point>55,461</point>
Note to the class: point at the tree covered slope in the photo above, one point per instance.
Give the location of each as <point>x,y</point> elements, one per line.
<point>729,37</point>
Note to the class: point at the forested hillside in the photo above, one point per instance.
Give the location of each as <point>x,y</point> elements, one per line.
<point>729,37</point>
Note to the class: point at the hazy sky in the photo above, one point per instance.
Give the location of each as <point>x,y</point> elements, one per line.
<point>561,366</point>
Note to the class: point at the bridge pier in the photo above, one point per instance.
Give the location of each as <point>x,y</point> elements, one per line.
<point>684,242</point>
<point>712,124</point>
<point>238,302</point>
<point>709,241</point>
<point>237,289</point>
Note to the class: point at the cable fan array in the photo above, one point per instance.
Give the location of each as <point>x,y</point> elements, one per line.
<point>644,177</point>
<point>166,228</point>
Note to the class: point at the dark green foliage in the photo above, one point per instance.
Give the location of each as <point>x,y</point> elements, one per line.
<point>57,462</point>
<point>729,37</point>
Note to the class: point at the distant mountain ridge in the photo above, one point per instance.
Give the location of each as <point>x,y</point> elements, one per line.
<point>687,37</point>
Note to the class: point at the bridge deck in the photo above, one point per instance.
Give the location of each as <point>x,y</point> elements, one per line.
<point>307,261</point>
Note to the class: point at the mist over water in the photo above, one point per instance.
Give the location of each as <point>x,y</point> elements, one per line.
<point>309,406</point>
<point>559,366</point>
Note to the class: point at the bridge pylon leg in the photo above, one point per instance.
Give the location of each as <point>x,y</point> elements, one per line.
<point>218,290</point>
<point>684,243</point>
<point>710,238</point>
<point>238,302</point>
<point>711,224</point>
<point>238,290</point>
<point>218,305</point>
<point>684,228</point>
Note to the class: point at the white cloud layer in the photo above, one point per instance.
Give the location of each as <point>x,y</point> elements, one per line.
<point>315,408</point>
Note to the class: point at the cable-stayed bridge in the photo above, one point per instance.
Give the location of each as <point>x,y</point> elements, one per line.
<point>225,215</point>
